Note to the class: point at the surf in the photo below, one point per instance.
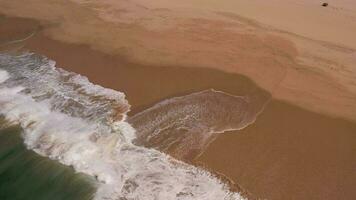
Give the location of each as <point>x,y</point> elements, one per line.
<point>83,125</point>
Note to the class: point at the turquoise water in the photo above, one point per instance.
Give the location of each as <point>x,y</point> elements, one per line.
<point>25,175</point>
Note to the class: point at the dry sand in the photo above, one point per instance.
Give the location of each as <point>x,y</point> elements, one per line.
<point>288,153</point>
<point>299,51</point>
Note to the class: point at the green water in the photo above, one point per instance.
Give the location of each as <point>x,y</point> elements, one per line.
<point>24,175</point>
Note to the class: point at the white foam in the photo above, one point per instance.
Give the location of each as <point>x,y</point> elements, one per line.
<point>3,76</point>
<point>67,118</point>
<point>186,125</point>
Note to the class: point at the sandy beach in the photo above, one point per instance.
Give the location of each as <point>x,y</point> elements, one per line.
<point>302,144</point>
<point>288,58</point>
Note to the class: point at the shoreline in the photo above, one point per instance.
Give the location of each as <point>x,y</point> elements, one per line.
<point>146,85</point>
<point>313,73</point>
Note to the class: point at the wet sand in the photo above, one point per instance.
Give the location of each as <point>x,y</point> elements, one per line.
<point>299,51</point>
<point>288,153</point>
<point>143,85</point>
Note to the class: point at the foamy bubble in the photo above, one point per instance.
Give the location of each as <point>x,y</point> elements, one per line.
<point>69,119</point>
<point>185,125</point>
<point>3,76</point>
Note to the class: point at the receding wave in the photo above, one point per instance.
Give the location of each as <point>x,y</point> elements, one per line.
<point>69,119</point>
<point>184,126</point>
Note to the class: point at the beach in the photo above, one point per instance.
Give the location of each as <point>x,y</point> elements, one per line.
<point>300,143</point>
<point>287,64</point>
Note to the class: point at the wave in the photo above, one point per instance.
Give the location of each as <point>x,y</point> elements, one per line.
<point>184,126</point>
<point>69,119</point>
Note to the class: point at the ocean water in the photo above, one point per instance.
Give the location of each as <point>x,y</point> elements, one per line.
<point>60,117</point>
<point>26,175</point>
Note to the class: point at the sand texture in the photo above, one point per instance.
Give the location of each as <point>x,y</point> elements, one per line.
<point>300,52</point>
<point>302,144</point>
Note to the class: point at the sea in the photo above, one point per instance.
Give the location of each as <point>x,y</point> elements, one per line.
<point>63,137</point>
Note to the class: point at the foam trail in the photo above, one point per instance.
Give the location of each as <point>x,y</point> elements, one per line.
<point>184,126</point>
<point>69,119</point>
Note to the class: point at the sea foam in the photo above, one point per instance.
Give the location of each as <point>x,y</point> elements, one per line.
<point>69,119</point>
<point>185,125</point>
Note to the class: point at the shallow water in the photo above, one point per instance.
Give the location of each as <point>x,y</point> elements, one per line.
<point>184,126</point>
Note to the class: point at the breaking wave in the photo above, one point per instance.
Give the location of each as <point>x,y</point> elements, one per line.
<point>69,119</point>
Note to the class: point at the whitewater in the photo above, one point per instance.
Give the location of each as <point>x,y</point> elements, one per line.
<point>83,125</point>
